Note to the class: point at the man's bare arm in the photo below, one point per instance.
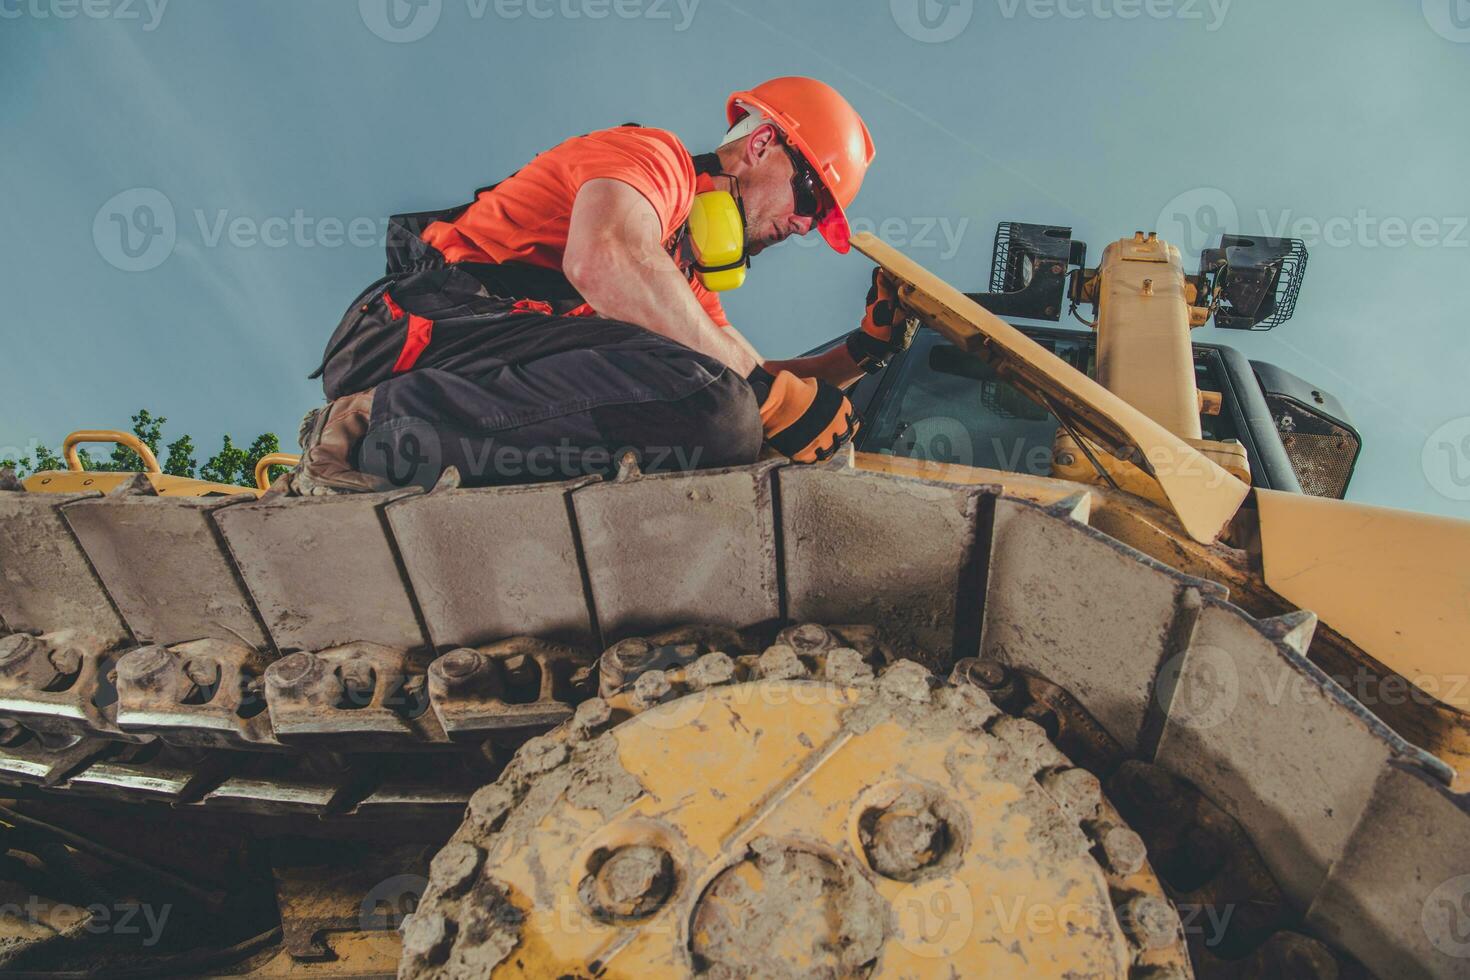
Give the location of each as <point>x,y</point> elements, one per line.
<point>616,260</point>
<point>836,367</point>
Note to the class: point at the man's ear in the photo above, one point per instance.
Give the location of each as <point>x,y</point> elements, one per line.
<point>761,142</point>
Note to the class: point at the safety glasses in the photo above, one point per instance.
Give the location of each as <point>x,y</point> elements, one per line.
<point>806,188</point>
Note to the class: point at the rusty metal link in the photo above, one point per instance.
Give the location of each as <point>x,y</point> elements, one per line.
<point>28,759</point>
<point>58,684</point>
<point>361,695</point>
<point>220,694</point>
<point>640,672</point>
<point>204,693</point>
<point>623,662</point>
<point>517,683</point>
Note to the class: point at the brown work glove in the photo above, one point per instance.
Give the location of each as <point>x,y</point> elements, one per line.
<point>886,329</point>
<point>804,419</point>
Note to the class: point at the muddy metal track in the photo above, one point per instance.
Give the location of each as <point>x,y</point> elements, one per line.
<point>272,640</point>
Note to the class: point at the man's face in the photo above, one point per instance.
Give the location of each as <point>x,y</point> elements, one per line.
<point>767,193</point>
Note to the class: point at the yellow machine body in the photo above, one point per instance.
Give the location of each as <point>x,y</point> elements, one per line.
<point>75,479</point>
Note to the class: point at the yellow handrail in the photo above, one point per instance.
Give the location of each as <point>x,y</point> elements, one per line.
<point>263,468</point>
<point>124,439</point>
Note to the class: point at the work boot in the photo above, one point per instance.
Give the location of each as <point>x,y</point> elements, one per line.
<point>329,437</point>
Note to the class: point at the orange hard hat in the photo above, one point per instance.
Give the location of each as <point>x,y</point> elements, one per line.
<point>826,130</point>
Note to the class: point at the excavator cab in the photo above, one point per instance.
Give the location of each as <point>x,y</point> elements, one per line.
<point>938,402</point>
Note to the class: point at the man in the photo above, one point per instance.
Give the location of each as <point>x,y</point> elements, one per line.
<point>558,320</point>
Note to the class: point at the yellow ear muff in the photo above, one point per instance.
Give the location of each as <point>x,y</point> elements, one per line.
<point>717,236</point>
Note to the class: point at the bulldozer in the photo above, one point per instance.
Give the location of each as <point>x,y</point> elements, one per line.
<point>1112,683</point>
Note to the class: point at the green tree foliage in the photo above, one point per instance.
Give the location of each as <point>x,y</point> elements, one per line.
<point>231,464</point>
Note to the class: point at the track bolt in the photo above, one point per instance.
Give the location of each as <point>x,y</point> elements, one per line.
<point>621,661</point>
<point>457,665</point>
<point>139,666</point>
<point>806,638</point>
<point>1150,921</point>
<point>992,677</point>
<point>631,883</point>
<point>292,675</point>
<point>989,674</point>
<point>16,650</point>
<point>1123,850</point>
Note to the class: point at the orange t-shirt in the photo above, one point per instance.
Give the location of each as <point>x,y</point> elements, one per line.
<point>526,217</point>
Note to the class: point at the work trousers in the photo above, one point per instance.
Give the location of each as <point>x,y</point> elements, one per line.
<point>509,392</point>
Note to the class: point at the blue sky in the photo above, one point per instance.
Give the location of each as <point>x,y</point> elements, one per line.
<point>277,134</point>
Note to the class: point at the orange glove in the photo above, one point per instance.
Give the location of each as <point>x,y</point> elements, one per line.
<point>804,419</point>
<point>885,331</point>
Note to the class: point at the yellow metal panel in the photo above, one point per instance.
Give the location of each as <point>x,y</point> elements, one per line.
<point>79,481</point>
<point>1144,354</point>
<point>1202,495</point>
<point>1394,582</point>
